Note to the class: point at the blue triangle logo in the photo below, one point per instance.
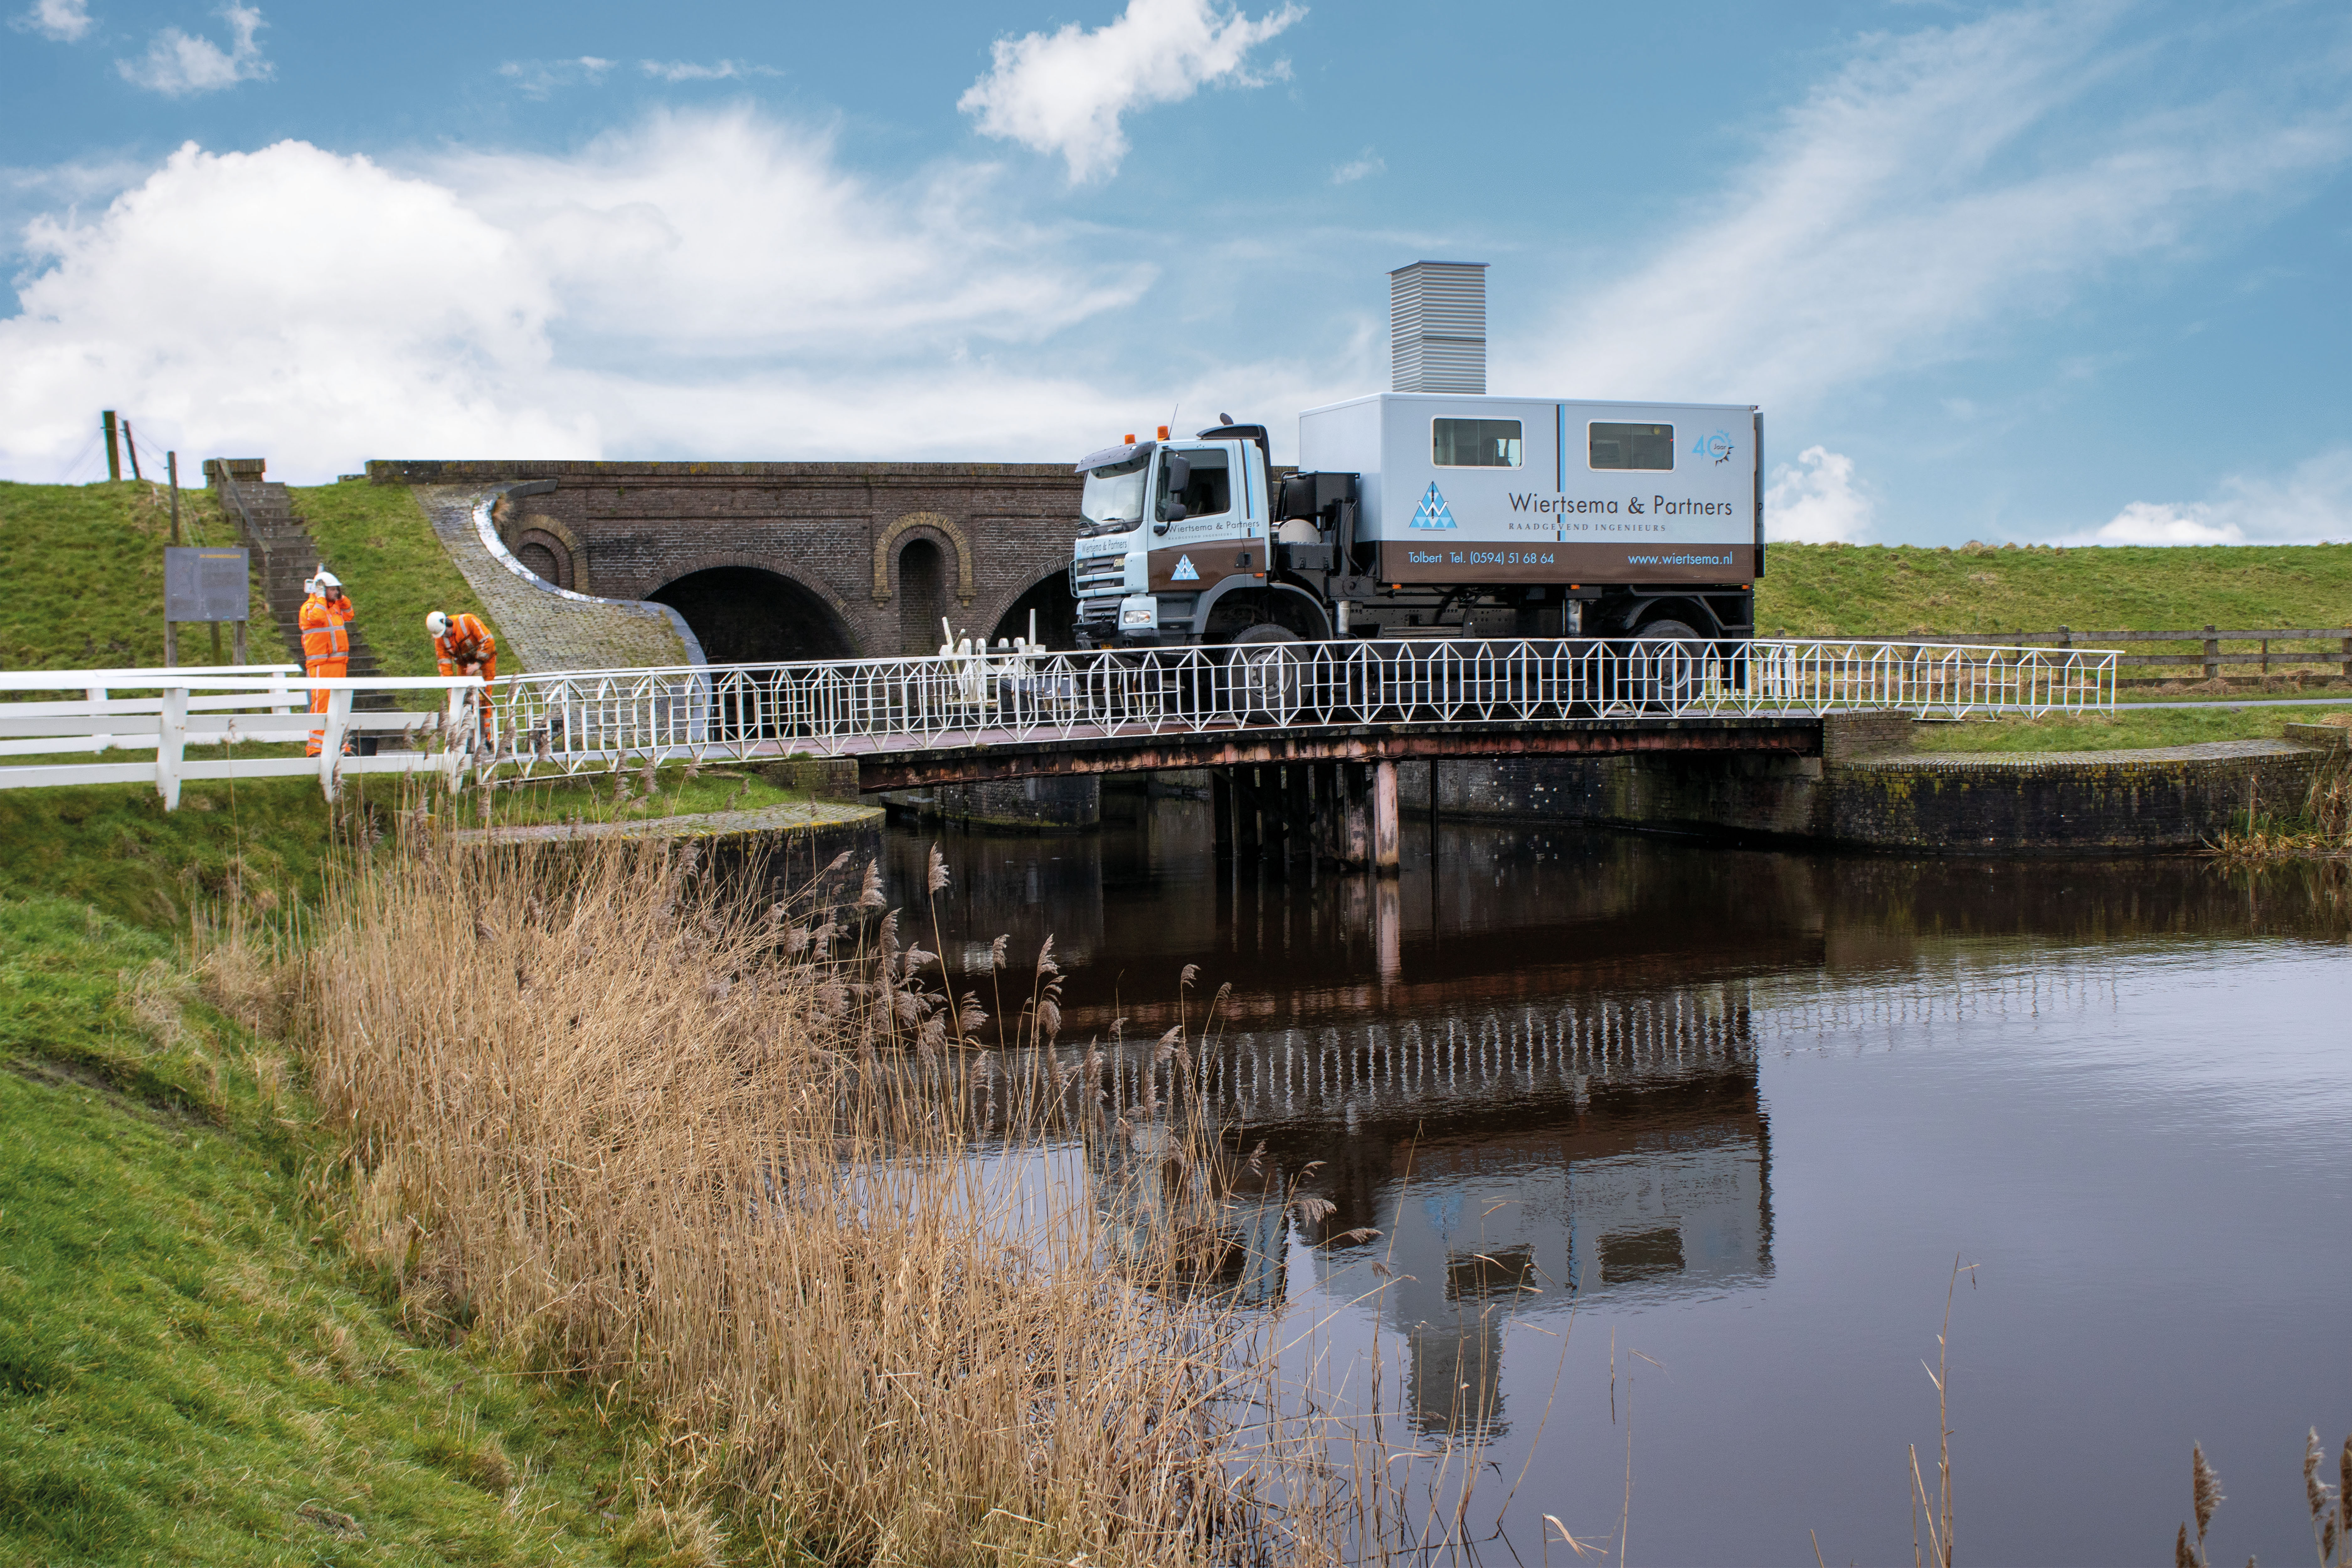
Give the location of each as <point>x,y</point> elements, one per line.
<point>1185,571</point>
<point>1432,512</point>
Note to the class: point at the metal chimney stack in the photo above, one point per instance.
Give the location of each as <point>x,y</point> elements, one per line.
<point>1438,327</point>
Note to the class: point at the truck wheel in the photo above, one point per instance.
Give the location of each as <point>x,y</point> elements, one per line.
<point>1262,673</point>
<point>1667,665</point>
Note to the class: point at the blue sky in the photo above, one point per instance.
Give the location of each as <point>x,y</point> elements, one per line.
<point>2070,274</point>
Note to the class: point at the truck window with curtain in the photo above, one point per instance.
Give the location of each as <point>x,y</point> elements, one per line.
<point>1475,443</point>
<point>1648,446</point>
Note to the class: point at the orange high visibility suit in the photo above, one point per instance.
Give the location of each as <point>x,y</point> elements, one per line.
<point>326,650</point>
<point>467,641</point>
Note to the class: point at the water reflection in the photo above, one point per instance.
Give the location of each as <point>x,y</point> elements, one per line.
<point>1554,1073</point>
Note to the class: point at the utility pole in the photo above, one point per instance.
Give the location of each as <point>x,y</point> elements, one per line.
<point>132,442</point>
<point>172,466</point>
<point>113,453</point>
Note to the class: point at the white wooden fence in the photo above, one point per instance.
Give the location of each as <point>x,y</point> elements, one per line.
<point>167,711</point>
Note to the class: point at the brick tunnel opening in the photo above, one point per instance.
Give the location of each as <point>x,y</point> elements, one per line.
<point>744,615</point>
<point>1058,614</point>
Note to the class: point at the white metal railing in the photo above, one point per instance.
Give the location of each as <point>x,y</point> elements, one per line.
<point>582,720</point>
<point>165,712</point>
<point>594,721</point>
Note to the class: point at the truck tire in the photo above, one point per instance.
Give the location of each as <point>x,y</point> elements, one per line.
<point>1667,665</point>
<point>1263,674</point>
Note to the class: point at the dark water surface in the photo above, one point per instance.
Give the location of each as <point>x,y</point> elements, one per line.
<point>1723,1120</point>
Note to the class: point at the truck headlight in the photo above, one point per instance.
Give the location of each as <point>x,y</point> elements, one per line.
<point>1139,613</point>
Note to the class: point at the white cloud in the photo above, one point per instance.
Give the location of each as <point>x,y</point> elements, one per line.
<point>686,70</point>
<point>176,64</point>
<point>1817,500</point>
<point>1358,168</point>
<point>1939,183</point>
<point>63,20</point>
<point>2312,506</point>
<point>701,285</point>
<point>538,78</point>
<point>1065,92</point>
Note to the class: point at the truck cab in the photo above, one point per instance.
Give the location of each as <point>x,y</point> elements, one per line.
<point>1178,544</point>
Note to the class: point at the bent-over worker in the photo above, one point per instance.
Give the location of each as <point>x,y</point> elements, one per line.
<point>463,645</point>
<point>326,624</point>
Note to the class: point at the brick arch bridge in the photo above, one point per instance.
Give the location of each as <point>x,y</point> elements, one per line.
<point>783,560</point>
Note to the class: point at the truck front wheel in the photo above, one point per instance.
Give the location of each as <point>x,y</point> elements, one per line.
<point>1263,674</point>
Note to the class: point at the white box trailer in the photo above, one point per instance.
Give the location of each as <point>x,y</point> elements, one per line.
<point>1459,490</point>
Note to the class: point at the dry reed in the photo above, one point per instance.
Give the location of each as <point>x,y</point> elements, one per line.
<point>730,1166</point>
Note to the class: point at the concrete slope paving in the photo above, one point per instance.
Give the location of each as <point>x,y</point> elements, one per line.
<point>548,627</point>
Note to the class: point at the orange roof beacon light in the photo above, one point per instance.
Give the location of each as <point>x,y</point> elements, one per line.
<point>1128,439</point>
<point>1163,432</point>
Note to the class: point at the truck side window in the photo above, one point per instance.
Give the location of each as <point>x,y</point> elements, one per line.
<point>1632,445</point>
<point>1475,443</point>
<point>1210,491</point>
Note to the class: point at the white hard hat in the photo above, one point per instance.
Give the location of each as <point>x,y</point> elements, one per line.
<point>328,580</point>
<point>436,624</point>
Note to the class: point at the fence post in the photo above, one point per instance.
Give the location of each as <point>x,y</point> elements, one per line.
<point>330,747</point>
<point>2348,658</point>
<point>171,745</point>
<point>99,743</point>
<point>2212,654</point>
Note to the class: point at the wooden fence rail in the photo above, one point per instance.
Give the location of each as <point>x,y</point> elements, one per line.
<point>2205,641</point>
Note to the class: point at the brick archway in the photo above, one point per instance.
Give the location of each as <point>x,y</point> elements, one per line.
<point>951,535</point>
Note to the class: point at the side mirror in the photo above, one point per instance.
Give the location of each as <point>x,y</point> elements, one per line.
<point>1170,511</point>
<point>1178,473</point>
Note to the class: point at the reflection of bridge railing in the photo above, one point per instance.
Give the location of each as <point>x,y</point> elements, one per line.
<point>1560,1049</point>
<point>587,721</point>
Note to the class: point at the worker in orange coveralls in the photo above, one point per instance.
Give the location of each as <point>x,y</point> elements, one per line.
<point>463,645</point>
<point>326,624</point>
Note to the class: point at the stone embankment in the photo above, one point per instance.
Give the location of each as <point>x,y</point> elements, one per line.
<point>549,627</point>
<point>1869,790</point>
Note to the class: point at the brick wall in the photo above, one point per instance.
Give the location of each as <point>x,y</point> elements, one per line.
<point>633,529</point>
<point>1865,793</point>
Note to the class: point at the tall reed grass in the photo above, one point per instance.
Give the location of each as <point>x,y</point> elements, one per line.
<point>745,1167</point>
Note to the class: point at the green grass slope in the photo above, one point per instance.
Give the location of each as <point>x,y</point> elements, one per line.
<point>1839,590</point>
<point>195,1365</point>
<point>85,569</point>
<point>380,542</point>
<point>85,564</point>
<point>191,1368</point>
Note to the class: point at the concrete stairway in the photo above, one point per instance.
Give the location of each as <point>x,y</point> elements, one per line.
<point>287,554</point>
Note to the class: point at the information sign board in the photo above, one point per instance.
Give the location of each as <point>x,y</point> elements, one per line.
<point>206,583</point>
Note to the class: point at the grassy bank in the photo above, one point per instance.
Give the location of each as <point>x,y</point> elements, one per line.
<point>377,539</point>
<point>2127,730</point>
<point>85,566</point>
<point>85,569</point>
<point>191,1368</point>
<point>1842,590</point>
<point>194,1364</point>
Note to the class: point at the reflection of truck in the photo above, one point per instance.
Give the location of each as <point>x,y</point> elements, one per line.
<point>1431,510</point>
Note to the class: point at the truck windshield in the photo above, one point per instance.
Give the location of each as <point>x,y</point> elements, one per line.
<point>1113,500</point>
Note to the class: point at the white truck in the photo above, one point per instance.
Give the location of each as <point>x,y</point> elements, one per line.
<point>1429,514</point>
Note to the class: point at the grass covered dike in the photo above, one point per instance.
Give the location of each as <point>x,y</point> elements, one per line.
<point>86,565</point>
<point>368,1200</point>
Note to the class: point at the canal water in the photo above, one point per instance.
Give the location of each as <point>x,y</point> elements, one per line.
<point>1671,1152</point>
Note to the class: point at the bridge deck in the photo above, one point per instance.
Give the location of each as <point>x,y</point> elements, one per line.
<point>972,756</point>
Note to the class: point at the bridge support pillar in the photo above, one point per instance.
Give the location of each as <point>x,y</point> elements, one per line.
<point>1298,804</point>
<point>1221,811</point>
<point>1246,838</point>
<point>1354,790</point>
<point>1385,834</point>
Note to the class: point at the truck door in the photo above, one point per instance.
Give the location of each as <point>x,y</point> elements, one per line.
<point>1208,541</point>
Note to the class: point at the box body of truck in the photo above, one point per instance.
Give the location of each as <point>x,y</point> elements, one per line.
<point>1459,490</point>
